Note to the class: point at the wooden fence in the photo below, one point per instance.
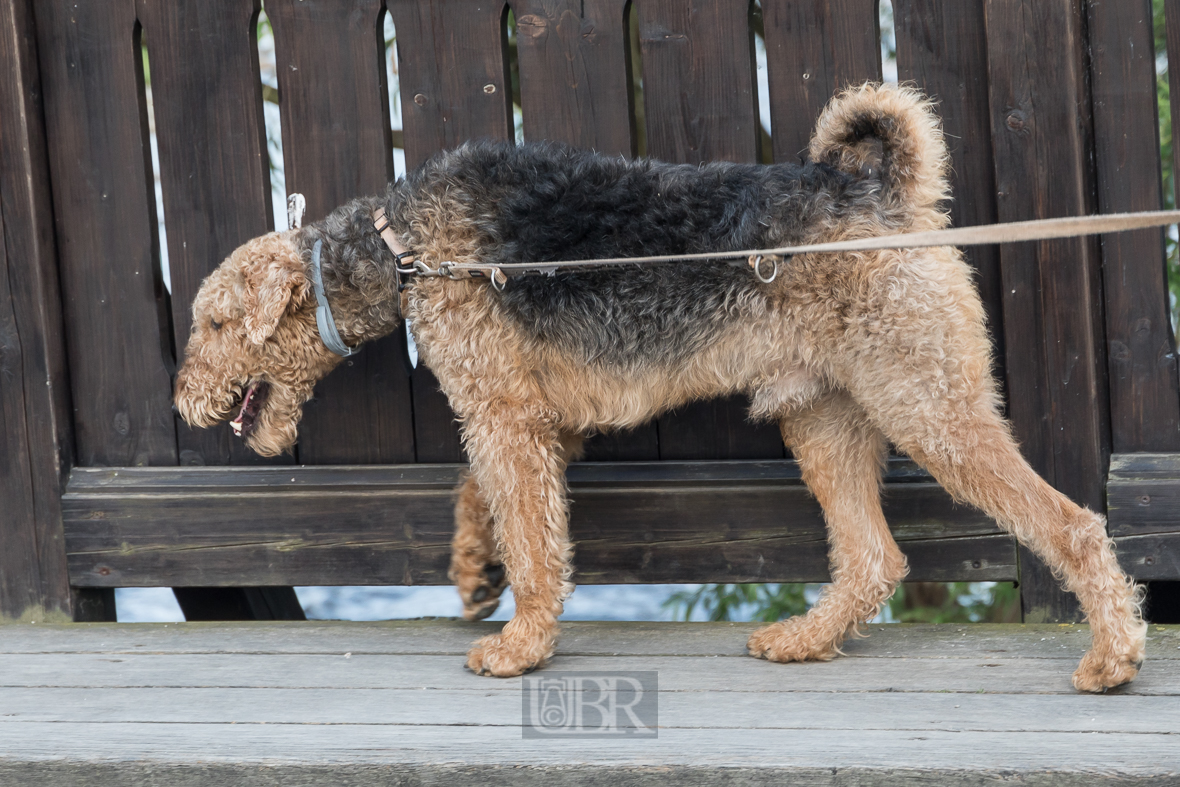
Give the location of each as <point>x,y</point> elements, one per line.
<point>1049,108</point>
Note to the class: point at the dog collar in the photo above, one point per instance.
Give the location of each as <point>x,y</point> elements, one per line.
<point>323,312</point>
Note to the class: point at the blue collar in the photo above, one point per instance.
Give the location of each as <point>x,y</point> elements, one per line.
<point>323,313</point>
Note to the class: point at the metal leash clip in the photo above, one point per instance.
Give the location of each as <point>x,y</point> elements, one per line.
<point>756,261</point>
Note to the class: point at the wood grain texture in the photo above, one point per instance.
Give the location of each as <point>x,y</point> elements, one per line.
<point>453,67</point>
<point>643,522</point>
<point>337,145</point>
<point>574,76</point>
<point>1144,390</point>
<point>104,210</point>
<point>941,51</point>
<point>1143,494</point>
<point>1052,290</point>
<point>364,703</point>
<point>215,185</point>
<point>814,48</point>
<point>701,104</point>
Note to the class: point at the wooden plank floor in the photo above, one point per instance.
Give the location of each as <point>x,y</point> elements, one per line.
<point>346,704</point>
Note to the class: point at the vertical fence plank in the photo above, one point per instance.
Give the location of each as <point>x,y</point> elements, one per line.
<point>1052,291</point>
<point>942,49</point>
<point>1144,393</point>
<point>105,213</point>
<point>216,185</point>
<point>575,88</point>
<point>815,48</point>
<point>336,146</point>
<point>574,85</point>
<point>700,104</point>
<point>36,438</point>
<point>455,87</point>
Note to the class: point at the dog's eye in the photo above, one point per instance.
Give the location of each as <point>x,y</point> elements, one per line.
<point>216,325</point>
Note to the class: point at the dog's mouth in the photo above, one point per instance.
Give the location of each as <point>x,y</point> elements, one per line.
<point>252,403</point>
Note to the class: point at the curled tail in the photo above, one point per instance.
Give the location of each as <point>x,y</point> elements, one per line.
<point>890,132</point>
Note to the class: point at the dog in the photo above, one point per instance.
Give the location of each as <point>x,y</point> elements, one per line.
<point>847,352</point>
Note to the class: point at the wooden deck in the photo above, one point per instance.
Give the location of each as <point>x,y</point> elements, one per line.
<point>389,703</point>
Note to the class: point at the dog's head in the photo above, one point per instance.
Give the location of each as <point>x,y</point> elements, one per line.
<point>255,353</point>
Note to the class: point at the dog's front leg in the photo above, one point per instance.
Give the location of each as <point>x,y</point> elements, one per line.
<point>518,462</point>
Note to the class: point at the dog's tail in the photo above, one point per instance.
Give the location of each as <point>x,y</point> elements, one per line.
<point>890,132</point>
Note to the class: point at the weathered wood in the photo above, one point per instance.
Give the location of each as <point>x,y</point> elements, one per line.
<point>105,215</point>
<point>1040,131</point>
<point>453,69</point>
<point>37,433</point>
<point>700,104</point>
<point>574,85</point>
<point>1148,557</point>
<point>1143,494</point>
<point>939,49</point>
<point>357,713</point>
<point>646,522</point>
<point>443,636</point>
<point>337,145</point>
<point>1144,390</point>
<point>216,186</point>
<point>814,48</point>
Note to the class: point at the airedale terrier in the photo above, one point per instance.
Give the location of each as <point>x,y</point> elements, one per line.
<point>846,352</point>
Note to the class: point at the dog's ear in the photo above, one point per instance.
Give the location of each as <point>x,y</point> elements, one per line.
<point>275,280</point>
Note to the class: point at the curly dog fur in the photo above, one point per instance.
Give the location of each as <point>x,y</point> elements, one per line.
<point>846,352</point>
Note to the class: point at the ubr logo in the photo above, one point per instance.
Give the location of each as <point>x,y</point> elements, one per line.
<point>590,704</point>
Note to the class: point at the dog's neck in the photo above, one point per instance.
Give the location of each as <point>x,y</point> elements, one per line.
<point>358,271</point>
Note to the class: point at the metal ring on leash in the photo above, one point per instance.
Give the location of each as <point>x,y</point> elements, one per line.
<point>756,264</point>
<point>499,279</point>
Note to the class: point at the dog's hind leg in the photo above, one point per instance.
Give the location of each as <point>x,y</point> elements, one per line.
<point>980,463</point>
<point>476,567</point>
<point>917,362</point>
<point>518,460</point>
<point>840,454</point>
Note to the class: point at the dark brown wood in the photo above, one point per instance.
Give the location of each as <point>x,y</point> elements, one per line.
<point>1143,494</point>
<point>1052,290</point>
<point>337,145</point>
<point>105,216</point>
<point>701,104</point>
<point>574,81</point>
<point>1144,390</point>
<point>36,436</point>
<point>453,67</point>
<point>216,185</point>
<point>641,522</point>
<point>1150,557</point>
<point>941,51</point>
<point>814,48</point>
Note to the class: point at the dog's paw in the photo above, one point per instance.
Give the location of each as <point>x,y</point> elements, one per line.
<point>1099,672</point>
<point>792,640</point>
<point>504,657</point>
<point>481,590</point>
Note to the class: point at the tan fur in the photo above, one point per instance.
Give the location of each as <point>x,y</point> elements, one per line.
<point>845,352</point>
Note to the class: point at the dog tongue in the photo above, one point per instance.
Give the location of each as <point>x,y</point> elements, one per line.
<point>252,404</point>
